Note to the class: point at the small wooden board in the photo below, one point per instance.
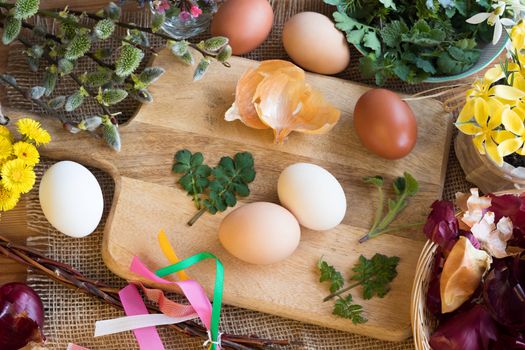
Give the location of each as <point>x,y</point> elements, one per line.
<point>189,115</point>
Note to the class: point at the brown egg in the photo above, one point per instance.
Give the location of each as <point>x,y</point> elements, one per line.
<point>385,124</point>
<point>314,43</point>
<point>246,23</point>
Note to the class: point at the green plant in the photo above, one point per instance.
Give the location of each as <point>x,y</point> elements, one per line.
<point>214,189</point>
<point>111,82</point>
<point>373,275</point>
<point>413,40</point>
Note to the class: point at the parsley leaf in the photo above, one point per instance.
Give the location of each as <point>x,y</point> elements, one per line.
<point>375,274</point>
<point>329,273</point>
<point>195,174</point>
<point>345,308</point>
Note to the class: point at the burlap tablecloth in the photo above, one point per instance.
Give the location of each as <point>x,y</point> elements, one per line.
<point>70,316</point>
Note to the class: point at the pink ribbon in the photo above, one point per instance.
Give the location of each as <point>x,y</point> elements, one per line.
<point>148,338</point>
<point>191,289</point>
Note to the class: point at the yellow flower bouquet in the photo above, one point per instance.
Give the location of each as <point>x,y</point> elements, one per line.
<point>18,159</point>
<point>494,110</point>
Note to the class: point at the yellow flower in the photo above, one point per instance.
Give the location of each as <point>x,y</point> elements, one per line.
<point>32,130</point>
<point>26,152</point>
<point>6,148</point>
<point>6,133</point>
<point>517,35</point>
<point>484,127</point>
<point>482,89</point>
<point>17,176</point>
<point>514,123</point>
<point>8,199</point>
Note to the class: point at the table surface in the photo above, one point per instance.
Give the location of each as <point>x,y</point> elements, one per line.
<point>13,224</point>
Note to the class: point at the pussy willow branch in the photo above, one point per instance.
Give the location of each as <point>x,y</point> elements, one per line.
<point>73,76</point>
<point>147,30</point>
<point>74,279</point>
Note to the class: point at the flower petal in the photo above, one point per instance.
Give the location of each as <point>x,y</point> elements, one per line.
<point>498,29</point>
<point>507,92</point>
<point>495,111</point>
<point>467,112</point>
<point>510,146</point>
<point>512,121</point>
<point>501,135</point>
<point>478,18</point>
<point>494,74</point>
<point>478,142</point>
<point>481,111</point>
<point>468,128</point>
<point>492,152</point>
<point>507,22</point>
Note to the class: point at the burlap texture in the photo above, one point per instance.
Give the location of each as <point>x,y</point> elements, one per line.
<point>70,316</point>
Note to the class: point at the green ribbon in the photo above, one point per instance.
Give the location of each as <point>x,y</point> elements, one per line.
<point>217,291</point>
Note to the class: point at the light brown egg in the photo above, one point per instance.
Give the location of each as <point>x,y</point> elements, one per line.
<point>246,23</point>
<point>260,233</point>
<point>314,43</point>
<point>385,124</point>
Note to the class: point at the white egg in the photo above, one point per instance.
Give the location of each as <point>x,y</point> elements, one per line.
<point>71,199</point>
<point>313,195</point>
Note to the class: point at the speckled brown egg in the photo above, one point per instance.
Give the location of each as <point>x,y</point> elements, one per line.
<point>385,124</point>
<point>246,23</point>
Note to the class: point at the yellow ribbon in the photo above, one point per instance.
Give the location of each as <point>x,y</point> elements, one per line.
<point>169,253</point>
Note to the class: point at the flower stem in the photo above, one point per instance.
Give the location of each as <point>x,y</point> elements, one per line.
<point>341,291</point>
<point>376,233</point>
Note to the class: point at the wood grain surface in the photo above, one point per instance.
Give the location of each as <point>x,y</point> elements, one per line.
<point>190,115</point>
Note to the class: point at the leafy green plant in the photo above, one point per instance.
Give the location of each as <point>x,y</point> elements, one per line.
<point>77,38</point>
<point>413,40</point>
<point>405,186</point>
<point>373,275</point>
<point>214,189</point>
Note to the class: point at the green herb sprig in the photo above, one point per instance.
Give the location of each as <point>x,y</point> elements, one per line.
<point>374,275</point>
<point>404,188</point>
<point>214,190</point>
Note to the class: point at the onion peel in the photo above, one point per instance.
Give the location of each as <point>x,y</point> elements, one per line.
<point>275,95</point>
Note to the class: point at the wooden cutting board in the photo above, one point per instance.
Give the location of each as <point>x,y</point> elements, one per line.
<point>189,115</point>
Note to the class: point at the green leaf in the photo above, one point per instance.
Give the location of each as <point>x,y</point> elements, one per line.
<point>104,29</point>
<point>371,41</point>
<point>388,4</point>
<point>401,70</point>
<point>345,308</point>
<point>332,2</point>
<point>329,273</point>
<point>65,66</point>
<point>183,156</point>
<point>229,199</point>
<point>196,159</point>
<point>74,101</point>
<point>57,102</point>
<point>374,180</point>
<point>128,61</point>
<point>375,274</point>
<point>111,135</point>
<point>26,8</point>
<point>425,65</point>
<point>391,33</point>
<point>225,54</point>
<point>78,47</point>
<point>109,97</point>
<point>37,92</point>
<point>412,186</point>
<point>157,20</point>
<point>201,69</point>
<point>12,27</point>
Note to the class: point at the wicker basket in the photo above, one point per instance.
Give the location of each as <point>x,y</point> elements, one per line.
<point>423,322</point>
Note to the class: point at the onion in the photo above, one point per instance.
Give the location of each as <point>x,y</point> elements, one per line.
<point>21,316</point>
